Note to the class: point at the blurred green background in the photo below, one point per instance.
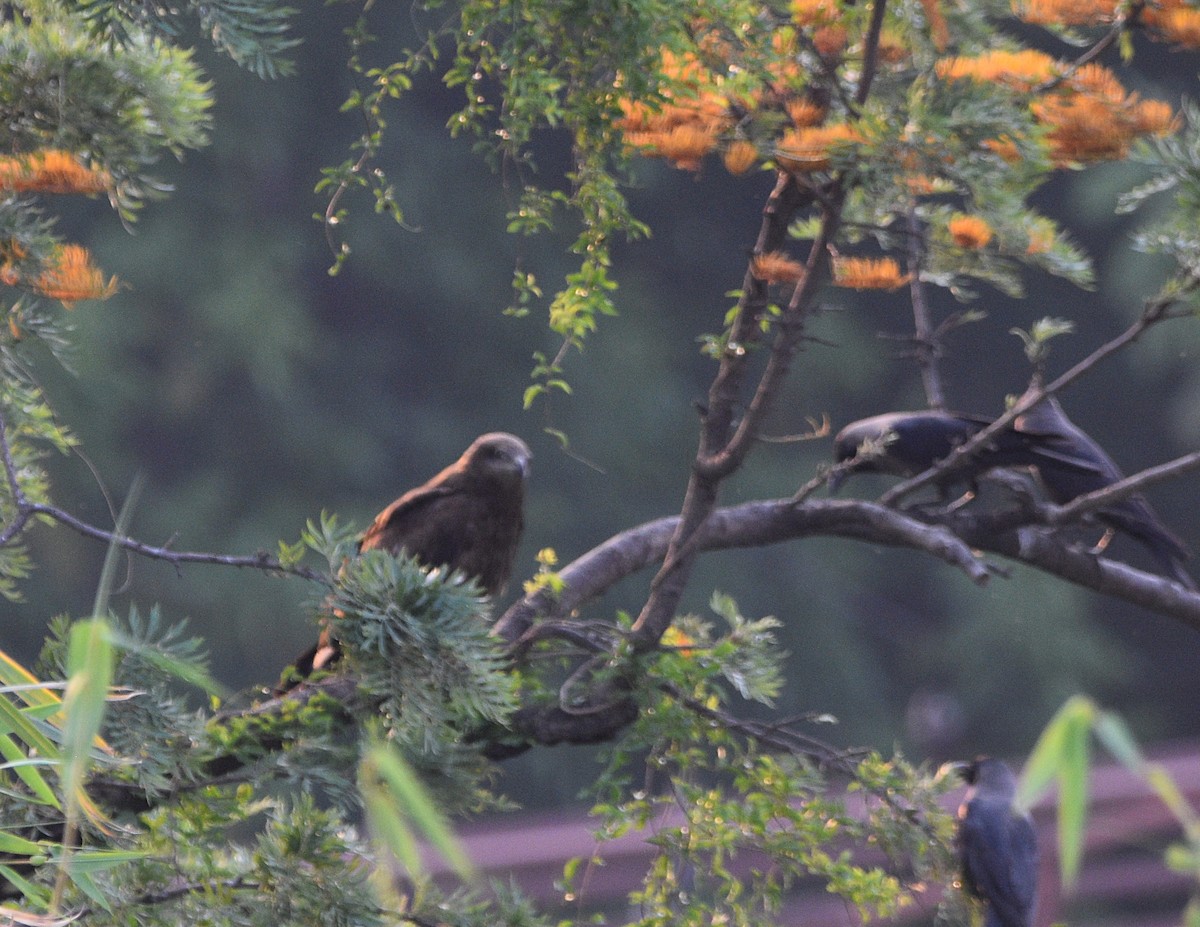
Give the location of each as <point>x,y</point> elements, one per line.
<point>253,390</point>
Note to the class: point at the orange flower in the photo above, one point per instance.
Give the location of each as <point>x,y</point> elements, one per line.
<point>1155,117</point>
<point>1177,25</point>
<point>1065,12</point>
<point>830,40</point>
<point>868,273</point>
<point>740,156</point>
<point>1082,129</point>
<point>921,184</point>
<point>776,267</point>
<point>73,277</point>
<point>805,113</point>
<point>685,145</point>
<point>970,232</point>
<point>814,12</point>
<point>50,172</point>
<point>1004,148</point>
<point>1020,70</point>
<point>808,149</point>
<point>1098,81</point>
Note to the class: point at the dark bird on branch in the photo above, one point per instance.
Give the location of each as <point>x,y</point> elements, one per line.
<point>469,518</point>
<point>997,846</point>
<point>1071,464</point>
<point>908,443</point>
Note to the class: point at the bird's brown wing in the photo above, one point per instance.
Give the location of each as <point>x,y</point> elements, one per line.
<point>398,524</point>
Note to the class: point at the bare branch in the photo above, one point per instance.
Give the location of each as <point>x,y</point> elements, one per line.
<point>26,509</point>
<point>924,335</point>
<point>756,524</point>
<point>1115,492</point>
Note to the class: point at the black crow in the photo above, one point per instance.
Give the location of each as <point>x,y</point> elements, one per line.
<point>1071,464</point>
<point>908,443</point>
<point>997,846</point>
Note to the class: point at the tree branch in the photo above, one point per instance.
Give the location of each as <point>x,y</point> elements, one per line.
<point>755,524</point>
<point>26,509</point>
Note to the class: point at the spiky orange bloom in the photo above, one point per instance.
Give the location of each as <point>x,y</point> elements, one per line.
<point>1021,70</point>
<point>11,252</point>
<point>805,113</point>
<point>1155,117</point>
<point>1065,12</point>
<point>868,273</point>
<point>686,125</point>
<point>830,40</point>
<point>1083,129</point>
<point>1176,25</point>
<point>776,267</point>
<point>970,232</point>
<point>685,145</point>
<point>814,12</point>
<point>808,149</point>
<point>50,171</point>
<point>740,156</point>
<point>1004,148</point>
<point>73,277</point>
<point>921,184</point>
<point>1098,81</point>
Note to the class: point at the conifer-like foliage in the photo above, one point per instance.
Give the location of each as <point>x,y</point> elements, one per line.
<point>906,141</point>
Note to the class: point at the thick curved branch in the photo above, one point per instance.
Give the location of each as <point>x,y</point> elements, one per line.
<point>755,524</point>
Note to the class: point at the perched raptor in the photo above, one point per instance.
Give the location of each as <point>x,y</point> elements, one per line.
<point>1071,464</point>
<point>997,846</point>
<point>468,517</point>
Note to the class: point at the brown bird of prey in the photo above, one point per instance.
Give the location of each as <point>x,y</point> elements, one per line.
<point>468,518</point>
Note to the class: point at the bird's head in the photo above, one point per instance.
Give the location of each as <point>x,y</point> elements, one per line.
<point>498,456</point>
<point>989,773</point>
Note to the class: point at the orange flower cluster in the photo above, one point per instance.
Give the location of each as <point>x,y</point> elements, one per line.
<point>1065,12</point>
<point>808,148</point>
<point>1021,70</point>
<point>690,122</point>
<point>70,278</point>
<point>1089,115</point>
<point>868,273</point>
<point>776,267</point>
<point>1172,21</point>
<point>970,232</point>
<point>740,156</point>
<point>50,172</point>
<point>1092,118</point>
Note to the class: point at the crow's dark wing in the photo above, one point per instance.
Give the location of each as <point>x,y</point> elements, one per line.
<point>998,850</point>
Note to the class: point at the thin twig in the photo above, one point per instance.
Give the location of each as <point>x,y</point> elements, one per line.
<point>25,509</point>
<point>924,335</point>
